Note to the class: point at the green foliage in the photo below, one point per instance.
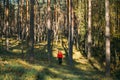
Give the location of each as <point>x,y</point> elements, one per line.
<point>80,21</point>
<point>116,74</point>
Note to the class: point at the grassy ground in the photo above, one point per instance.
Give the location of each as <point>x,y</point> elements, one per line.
<point>15,67</point>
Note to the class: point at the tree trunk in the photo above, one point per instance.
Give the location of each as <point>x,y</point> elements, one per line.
<point>70,44</point>
<point>107,34</point>
<point>31,42</point>
<point>21,26</point>
<point>3,31</point>
<point>7,24</point>
<point>27,18</point>
<point>18,21</point>
<point>56,23</point>
<point>89,29</point>
<point>85,15</point>
<point>49,29</point>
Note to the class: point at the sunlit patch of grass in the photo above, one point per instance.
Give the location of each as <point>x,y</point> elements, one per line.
<point>96,64</point>
<point>37,46</point>
<point>23,63</point>
<point>48,74</point>
<point>18,69</point>
<point>16,51</point>
<point>8,76</point>
<point>0,40</point>
<point>106,78</point>
<point>83,67</point>
<point>30,74</point>
<point>27,65</point>
<point>11,72</point>
<point>13,42</point>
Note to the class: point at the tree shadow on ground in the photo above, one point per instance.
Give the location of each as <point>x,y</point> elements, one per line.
<point>59,72</point>
<point>64,73</point>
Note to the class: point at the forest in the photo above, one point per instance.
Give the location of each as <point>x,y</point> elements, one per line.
<point>33,32</point>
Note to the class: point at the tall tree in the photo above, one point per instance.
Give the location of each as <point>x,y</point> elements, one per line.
<point>18,20</point>
<point>27,4</point>
<point>7,24</point>
<point>21,24</point>
<point>31,42</point>
<point>27,17</point>
<point>89,29</point>
<point>85,16</point>
<point>3,26</point>
<point>56,23</point>
<point>70,44</point>
<point>107,36</point>
<point>48,29</point>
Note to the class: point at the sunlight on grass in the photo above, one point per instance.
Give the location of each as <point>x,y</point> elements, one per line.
<point>96,64</point>
<point>27,65</point>
<point>13,43</point>
<point>19,69</point>
<point>37,46</point>
<point>30,75</point>
<point>16,51</point>
<point>9,76</point>
<point>23,63</point>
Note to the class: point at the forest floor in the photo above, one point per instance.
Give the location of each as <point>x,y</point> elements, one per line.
<point>15,67</point>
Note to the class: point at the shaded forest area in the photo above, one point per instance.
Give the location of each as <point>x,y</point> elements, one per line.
<point>86,31</point>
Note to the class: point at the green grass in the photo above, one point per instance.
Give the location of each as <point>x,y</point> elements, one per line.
<point>14,67</point>
<point>22,70</point>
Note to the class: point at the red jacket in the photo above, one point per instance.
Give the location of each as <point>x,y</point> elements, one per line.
<point>59,55</point>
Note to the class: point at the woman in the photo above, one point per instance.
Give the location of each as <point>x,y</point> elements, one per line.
<point>60,56</point>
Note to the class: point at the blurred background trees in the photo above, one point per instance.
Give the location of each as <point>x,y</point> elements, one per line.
<point>68,22</point>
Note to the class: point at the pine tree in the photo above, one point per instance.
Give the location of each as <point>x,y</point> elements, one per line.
<point>107,36</point>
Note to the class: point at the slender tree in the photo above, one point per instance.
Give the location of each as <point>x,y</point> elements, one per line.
<point>89,29</point>
<point>70,44</point>
<point>31,42</point>
<point>48,29</point>
<point>7,24</point>
<point>27,17</point>
<point>56,23</point>
<point>107,36</point>
<point>18,20</point>
<point>21,25</point>
<point>27,9</point>
<point>3,31</point>
<point>21,19</point>
<point>85,16</point>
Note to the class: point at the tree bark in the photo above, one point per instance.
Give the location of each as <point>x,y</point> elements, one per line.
<point>27,19</point>
<point>7,24</point>
<point>89,30</point>
<point>70,44</point>
<point>48,29</point>
<point>18,20</point>
<point>31,42</point>
<point>107,36</point>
